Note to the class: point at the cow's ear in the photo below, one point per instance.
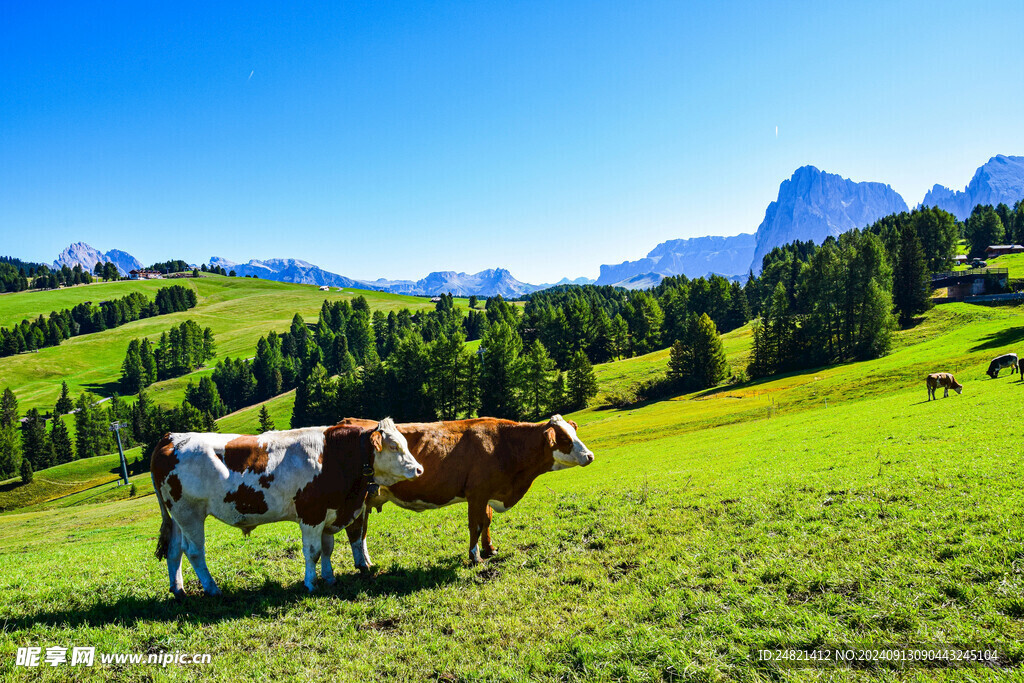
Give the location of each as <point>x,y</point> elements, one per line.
<point>550,434</point>
<point>574,426</point>
<point>377,440</point>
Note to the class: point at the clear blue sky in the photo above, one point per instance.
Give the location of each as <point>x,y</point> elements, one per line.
<point>390,139</point>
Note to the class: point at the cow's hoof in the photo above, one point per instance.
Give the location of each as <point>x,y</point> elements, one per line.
<point>487,553</point>
<point>330,580</point>
<point>215,593</point>
<point>178,594</point>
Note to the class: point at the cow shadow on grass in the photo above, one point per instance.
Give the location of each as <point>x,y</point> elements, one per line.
<point>1002,338</point>
<point>267,600</point>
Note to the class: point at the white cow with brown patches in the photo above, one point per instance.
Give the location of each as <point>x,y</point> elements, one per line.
<point>317,477</point>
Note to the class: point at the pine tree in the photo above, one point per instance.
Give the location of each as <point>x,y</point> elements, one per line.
<point>911,281</point>
<point>538,380</point>
<point>680,365</point>
<point>266,424</point>
<point>63,451</point>
<point>35,442</point>
<point>64,404</point>
<point>619,336</point>
<point>445,359</point>
<point>148,359</point>
<point>26,471</point>
<point>8,408</point>
<point>92,435</point>
<point>132,372</point>
<point>10,450</point>
<point>501,372</point>
<point>983,228</point>
<point>581,381</point>
<point>709,364</point>
<point>142,419</point>
<point>559,395</point>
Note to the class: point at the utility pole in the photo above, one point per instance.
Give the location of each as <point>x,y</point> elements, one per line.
<point>116,427</point>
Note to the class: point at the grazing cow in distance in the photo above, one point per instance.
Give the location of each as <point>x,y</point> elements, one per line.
<point>944,380</point>
<point>317,476</point>
<point>487,463</point>
<point>1007,360</point>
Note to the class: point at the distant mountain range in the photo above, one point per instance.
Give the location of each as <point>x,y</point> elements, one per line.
<point>286,270</point>
<point>692,257</point>
<point>811,205</point>
<point>1000,180</point>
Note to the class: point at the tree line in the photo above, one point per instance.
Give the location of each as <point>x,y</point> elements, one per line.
<point>17,275</point>
<point>87,318</point>
<point>532,360</point>
<point>988,225</point>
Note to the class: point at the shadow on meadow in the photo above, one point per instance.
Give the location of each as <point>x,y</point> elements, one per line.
<point>1004,337</point>
<point>270,598</point>
<point>103,389</point>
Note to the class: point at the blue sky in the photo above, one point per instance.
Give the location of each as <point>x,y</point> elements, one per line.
<point>393,139</point>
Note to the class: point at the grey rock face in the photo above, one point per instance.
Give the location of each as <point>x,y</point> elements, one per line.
<point>813,204</point>
<point>80,254</point>
<point>124,261</point>
<point>999,180</point>
<point>86,256</point>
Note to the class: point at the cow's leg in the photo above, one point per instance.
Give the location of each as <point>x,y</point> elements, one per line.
<point>945,391</point>
<point>357,539</point>
<point>486,549</point>
<point>327,547</point>
<point>193,530</point>
<point>477,524</point>
<point>174,551</point>
<point>312,537</point>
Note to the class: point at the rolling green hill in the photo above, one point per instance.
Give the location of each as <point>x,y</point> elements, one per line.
<point>239,310</point>
<point>835,506</point>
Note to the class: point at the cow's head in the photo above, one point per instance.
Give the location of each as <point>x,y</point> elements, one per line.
<point>566,447</point>
<point>392,461</point>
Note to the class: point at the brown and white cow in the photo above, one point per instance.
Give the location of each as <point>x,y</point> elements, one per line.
<point>487,463</point>
<point>944,380</point>
<point>317,477</point>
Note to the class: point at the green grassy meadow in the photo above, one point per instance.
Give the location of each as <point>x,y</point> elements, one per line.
<point>834,506</point>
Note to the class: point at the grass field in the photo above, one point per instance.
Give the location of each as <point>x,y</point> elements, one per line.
<point>710,525</point>
<point>239,310</point>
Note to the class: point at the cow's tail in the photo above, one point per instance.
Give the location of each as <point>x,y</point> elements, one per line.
<point>166,527</point>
